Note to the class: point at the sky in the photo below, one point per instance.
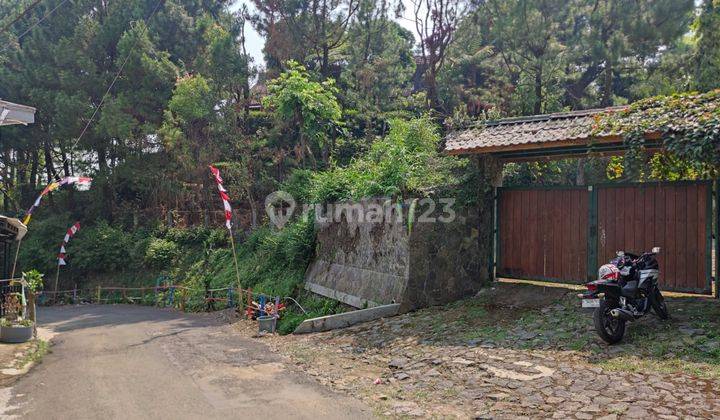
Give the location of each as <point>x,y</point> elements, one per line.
<point>255,42</point>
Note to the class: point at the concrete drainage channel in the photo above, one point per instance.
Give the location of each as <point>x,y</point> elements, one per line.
<point>346,319</point>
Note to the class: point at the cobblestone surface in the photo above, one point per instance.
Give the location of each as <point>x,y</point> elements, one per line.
<point>423,365</point>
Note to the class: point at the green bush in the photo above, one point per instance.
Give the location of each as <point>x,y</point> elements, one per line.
<point>299,185</point>
<point>161,253</point>
<point>187,236</point>
<point>270,261</point>
<point>101,248</point>
<point>40,246</point>
<point>404,163</point>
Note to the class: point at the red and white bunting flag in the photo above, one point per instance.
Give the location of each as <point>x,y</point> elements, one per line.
<point>82,183</point>
<point>223,194</point>
<point>72,230</point>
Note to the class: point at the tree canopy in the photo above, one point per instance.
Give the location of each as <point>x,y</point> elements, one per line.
<point>167,88</point>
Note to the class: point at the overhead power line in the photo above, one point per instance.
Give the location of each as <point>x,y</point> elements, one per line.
<point>20,16</point>
<point>42,19</point>
<point>117,75</point>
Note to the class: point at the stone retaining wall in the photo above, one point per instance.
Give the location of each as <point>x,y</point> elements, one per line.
<point>371,264</point>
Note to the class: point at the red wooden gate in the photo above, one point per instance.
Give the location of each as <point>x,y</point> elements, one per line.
<point>676,217</point>
<point>563,234</point>
<point>543,233</point>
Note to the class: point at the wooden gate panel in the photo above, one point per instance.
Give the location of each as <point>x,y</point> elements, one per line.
<point>674,217</point>
<point>543,234</point>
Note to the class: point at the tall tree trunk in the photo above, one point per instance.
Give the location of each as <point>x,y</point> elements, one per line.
<point>34,169</point>
<point>21,176</point>
<point>107,196</point>
<point>49,165</point>
<point>537,107</point>
<point>66,171</point>
<point>325,68</point>
<point>431,87</point>
<point>607,97</point>
<point>580,176</point>
<point>253,208</point>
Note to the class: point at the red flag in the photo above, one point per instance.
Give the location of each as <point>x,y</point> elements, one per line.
<point>72,230</point>
<point>223,195</point>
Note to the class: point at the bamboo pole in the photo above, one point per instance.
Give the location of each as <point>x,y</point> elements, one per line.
<point>57,276</point>
<point>17,252</point>
<point>237,269</point>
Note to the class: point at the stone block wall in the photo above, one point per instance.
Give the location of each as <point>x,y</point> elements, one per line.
<point>370,264</point>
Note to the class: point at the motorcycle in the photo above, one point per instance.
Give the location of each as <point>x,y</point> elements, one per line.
<point>626,290</point>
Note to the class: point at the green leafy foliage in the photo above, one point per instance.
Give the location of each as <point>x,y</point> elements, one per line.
<point>404,163</point>
<point>689,125</point>
<point>312,106</point>
<point>707,55</point>
<point>34,280</point>
<point>161,253</point>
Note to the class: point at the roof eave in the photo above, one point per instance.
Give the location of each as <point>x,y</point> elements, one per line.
<point>13,114</point>
<point>569,143</point>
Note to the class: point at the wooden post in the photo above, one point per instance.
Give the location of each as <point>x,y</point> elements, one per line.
<point>33,312</point>
<point>182,299</point>
<point>717,238</point>
<point>237,269</point>
<point>57,276</point>
<point>242,301</point>
<point>249,301</point>
<point>98,294</point>
<point>17,252</point>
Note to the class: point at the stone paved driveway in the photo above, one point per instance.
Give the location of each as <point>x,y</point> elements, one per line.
<point>422,364</point>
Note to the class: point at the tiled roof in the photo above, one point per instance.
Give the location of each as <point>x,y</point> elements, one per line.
<point>525,131</point>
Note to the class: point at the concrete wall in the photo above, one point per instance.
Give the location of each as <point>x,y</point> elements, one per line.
<point>370,264</point>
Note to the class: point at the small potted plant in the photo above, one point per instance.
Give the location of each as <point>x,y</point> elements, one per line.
<point>33,284</point>
<point>13,327</point>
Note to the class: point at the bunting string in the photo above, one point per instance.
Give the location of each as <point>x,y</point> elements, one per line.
<point>80,180</point>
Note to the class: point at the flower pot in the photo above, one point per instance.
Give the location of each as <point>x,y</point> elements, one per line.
<point>267,323</point>
<point>16,334</point>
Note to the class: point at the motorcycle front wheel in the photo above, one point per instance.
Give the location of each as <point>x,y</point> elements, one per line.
<point>609,328</point>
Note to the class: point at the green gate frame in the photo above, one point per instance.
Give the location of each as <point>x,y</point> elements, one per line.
<point>712,227</point>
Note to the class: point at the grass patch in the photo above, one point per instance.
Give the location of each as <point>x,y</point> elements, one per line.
<point>688,343</point>
<point>38,349</point>
<point>643,365</point>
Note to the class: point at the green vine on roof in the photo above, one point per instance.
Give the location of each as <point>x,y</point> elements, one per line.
<point>688,123</point>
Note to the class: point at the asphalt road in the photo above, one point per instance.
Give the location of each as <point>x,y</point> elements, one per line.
<point>141,362</point>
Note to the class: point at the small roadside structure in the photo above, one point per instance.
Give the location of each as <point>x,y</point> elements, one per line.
<point>12,114</point>
<point>11,230</point>
<point>563,233</point>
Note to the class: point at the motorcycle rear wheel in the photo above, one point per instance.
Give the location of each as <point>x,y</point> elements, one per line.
<point>658,304</point>
<point>609,328</point>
